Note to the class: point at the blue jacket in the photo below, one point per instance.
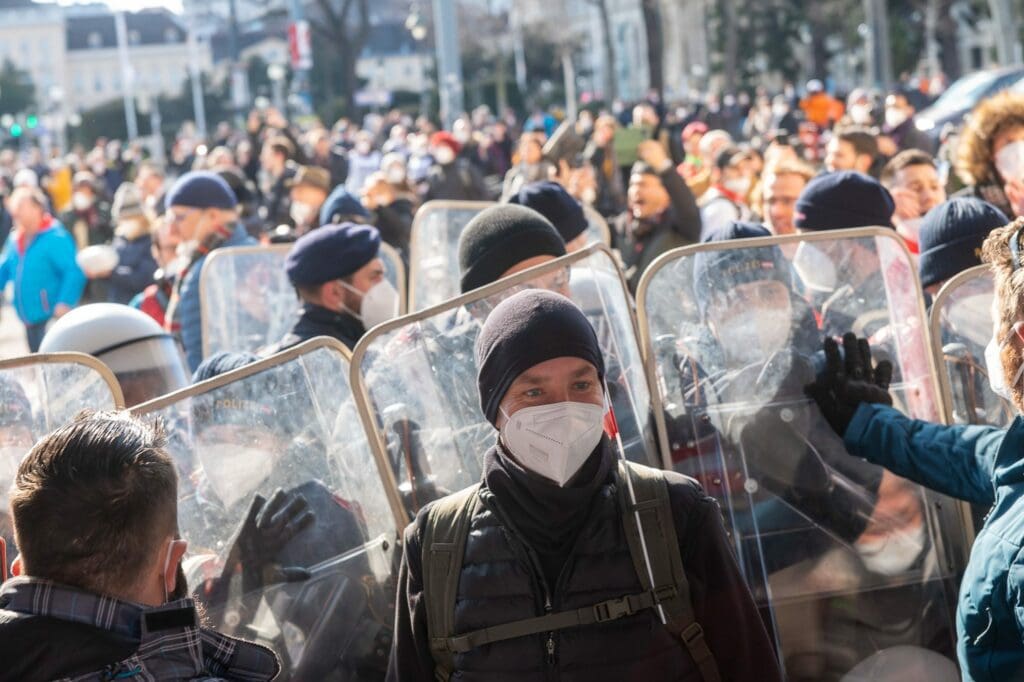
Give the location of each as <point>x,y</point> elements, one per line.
<point>44,275</point>
<point>135,268</point>
<point>983,465</point>
<point>188,305</point>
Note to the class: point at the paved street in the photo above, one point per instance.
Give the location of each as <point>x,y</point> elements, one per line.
<point>12,334</point>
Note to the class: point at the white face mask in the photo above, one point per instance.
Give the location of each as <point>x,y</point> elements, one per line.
<point>996,375</point>
<point>81,201</point>
<point>893,554</point>
<point>444,155</point>
<point>554,440</point>
<point>234,473</point>
<point>779,110</point>
<point>894,118</point>
<point>379,303</point>
<point>1010,161</point>
<point>301,213</point>
<point>860,114</point>
<point>589,196</point>
<point>396,176</point>
<point>753,337</point>
<point>912,226</point>
<point>738,186</point>
<point>814,268</point>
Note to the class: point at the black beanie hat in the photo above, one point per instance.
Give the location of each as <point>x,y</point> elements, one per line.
<point>524,330</point>
<point>951,237</point>
<point>837,201</point>
<point>552,201</point>
<point>736,229</point>
<point>501,237</point>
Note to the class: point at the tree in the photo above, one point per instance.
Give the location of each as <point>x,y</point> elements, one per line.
<point>611,85</point>
<point>343,27</point>
<point>655,54</point>
<point>17,93</point>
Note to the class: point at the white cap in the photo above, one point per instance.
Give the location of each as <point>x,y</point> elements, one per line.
<point>98,258</point>
<point>26,177</point>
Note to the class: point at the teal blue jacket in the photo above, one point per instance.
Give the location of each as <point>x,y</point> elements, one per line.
<point>982,465</point>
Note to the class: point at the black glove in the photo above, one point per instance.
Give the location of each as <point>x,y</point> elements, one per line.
<point>849,381</point>
<point>267,527</point>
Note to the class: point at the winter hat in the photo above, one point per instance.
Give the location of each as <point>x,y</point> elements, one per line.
<point>552,201</point>
<point>201,189</point>
<point>501,237</point>
<point>443,137</point>
<point>524,330</point>
<point>836,201</point>
<point>221,363</point>
<point>331,252</point>
<point>951,237</point>
<point>127,203</point>
<point>342,206</point>
<point>715,271</point>
<point>736,229</point>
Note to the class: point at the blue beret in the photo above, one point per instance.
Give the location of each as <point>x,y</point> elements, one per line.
<point>552,201</point>
<point>201,189</point>
<point>341,205</point>
<point>951,237</point>
<point>715,271</point>
<point>736,229</point>
<point>331,252</point>
<point>836,201</point>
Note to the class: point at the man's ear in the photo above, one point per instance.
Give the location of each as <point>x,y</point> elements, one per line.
<point>177,551</point>
<point>16,566</point>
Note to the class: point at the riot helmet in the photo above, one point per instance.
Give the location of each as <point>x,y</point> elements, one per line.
<point>143,357</point>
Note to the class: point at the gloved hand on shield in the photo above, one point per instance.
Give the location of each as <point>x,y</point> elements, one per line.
<point>848,380</point>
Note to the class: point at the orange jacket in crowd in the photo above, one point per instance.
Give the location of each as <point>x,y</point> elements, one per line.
<point>822,109</point>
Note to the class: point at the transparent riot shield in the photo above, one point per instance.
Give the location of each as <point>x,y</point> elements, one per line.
<point>291,533</point>
<point>38,394</point>
<point>845,559</point>
<point>961,325</point>
<point>598,231</point>
<point>247,301</point>
<point>415,377</point>
<point>434,250</point>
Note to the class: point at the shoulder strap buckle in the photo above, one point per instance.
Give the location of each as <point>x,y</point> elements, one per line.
<point>612,609</point>
<point>692,633</point>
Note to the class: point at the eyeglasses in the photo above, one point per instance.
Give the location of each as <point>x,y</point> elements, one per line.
<point>174,217</point>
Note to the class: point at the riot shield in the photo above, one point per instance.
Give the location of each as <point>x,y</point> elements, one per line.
<point>38,394</point>
<point>247,302</point>
<point>845,559</point>
<point>415,377</point>
<point>961,326</point>
<point>598,231</point>
<point>434,250</point>
<point>291,534</point>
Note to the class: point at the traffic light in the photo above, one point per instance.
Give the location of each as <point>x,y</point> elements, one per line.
<point>16,130</point>
<point>31,121</point>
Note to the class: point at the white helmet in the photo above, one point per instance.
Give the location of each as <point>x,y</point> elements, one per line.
<point>904,662</point>
<point>141,354</point>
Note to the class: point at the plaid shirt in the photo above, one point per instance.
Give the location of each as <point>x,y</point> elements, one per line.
<point>171,644</point>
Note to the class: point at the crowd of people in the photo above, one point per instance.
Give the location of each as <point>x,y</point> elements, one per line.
<point>537,571</point>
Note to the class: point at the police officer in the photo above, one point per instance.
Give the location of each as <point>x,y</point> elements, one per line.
<point>552,201</point>
<point>340,278</point>
<point>549,558</point>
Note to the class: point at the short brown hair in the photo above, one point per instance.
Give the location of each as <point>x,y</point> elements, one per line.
<point>864,141</point>
<point>93,500</point>
<point>281,145</point>
<point>790,168</point>
<point>905,159</point>
<point>1008,305</point>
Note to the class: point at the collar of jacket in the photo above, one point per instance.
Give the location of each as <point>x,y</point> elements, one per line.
<point>181,640</point>
<point>1009,468</point>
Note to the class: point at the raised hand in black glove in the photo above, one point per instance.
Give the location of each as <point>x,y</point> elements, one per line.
<point>848,381</point>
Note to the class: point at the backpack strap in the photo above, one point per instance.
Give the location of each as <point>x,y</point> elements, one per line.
<point>656,532</point>
<point>444,545</point>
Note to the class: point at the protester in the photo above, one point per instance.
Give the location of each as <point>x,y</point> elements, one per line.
<point>913,180</point>
<point>155,298</point>
<point>899,127</point>
<point>726,201</point>
<point>133,245</point>
<point>308,191</point>
<point>781,186</point>
<point>450,177</point>
<point>990,153</point>
<point>851,149</point>
<point>276,172</point>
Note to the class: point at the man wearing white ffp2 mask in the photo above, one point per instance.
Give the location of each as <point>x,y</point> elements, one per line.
<point>547,524</point>
<point>340,278</point>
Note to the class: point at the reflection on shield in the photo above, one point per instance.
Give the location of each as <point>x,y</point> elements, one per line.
<point>415,378</point>
<point>434,248</point>
<point>291,533</point>
<point>844,559</point>
<point>247,302</point>
<point>961,325</point>
<point>38,394</point>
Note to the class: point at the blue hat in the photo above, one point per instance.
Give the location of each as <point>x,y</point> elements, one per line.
<point>201,189</point>
<point>552,201</point>
<point>951,237</point>
<point>736,229</point>
<point>836,201</point>
<point>715,271</point>
<point>341,206</point>
<point>331,252</point>
<point>222,362</point>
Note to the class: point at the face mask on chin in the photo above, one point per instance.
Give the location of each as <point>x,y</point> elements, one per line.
<point>895,553</point>
<point>554,440</point>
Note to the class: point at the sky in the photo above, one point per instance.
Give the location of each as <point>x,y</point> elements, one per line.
<point>173,5</point>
